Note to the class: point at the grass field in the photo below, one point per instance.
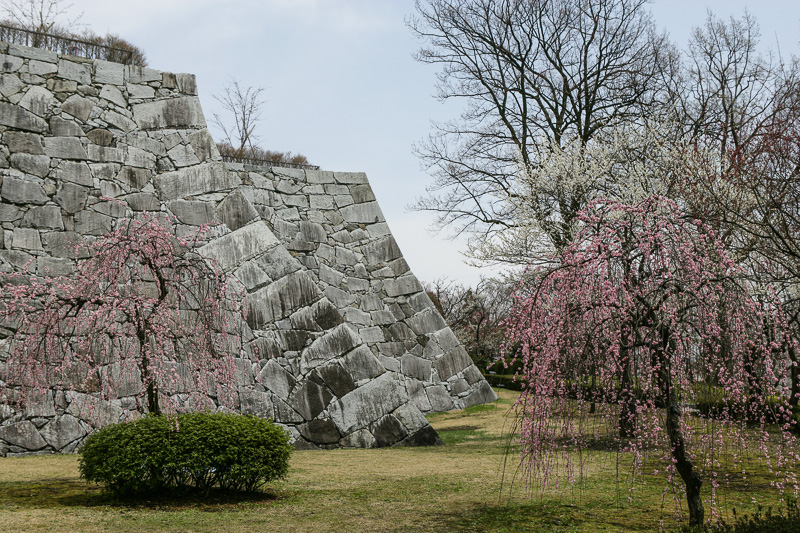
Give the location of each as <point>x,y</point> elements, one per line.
<point>456,487</point>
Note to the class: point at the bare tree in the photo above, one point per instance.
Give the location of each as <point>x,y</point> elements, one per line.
<point>43,16</point>
<point>245,105</point>
<point>534,74</point>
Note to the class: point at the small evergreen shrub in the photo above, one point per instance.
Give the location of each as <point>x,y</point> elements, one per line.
<point>188,451</point>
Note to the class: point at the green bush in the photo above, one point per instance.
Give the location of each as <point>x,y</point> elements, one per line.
<point>189,451</point>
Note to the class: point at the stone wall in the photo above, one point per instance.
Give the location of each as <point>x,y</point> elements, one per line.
<point>344,347</point>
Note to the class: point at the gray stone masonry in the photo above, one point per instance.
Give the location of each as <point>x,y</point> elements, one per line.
<point>344,348</point>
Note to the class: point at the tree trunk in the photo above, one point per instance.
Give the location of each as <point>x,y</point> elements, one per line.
<point>684,465</point>
<point>148,380</point>
<point>627,399</point>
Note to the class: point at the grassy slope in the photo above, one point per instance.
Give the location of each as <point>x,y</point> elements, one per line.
<point>455,487</point>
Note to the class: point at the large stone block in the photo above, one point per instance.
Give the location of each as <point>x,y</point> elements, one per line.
<point>45,217</point>
<point>452,363</point>
<point>194,213</point>
<point>231,250</point>
<point>64,148</point>
<point>19,118</point>
<point>403,285</point>
<point>275,378</point>
<point>38,101</point>
<point>367,403</point>
<point>78,106</point>
<point>62,431</point>
<point>195,180</point>
<point>320,431</point>
<point>367,213</point>
<point>26,143</point>
<point>183,112</point>
<point>23,435</point>
<point>362,364</point>
<point>335,343</point>
<point>280,299</point>
<point>310,399</point>
<point>37,165</point>
<point>236,210</point>
<point>428,321</point>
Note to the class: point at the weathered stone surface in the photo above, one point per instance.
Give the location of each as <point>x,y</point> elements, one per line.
<point>19,118</point>
<point>367,213</point>
<point>40,68</point>
<point>38,165</point>
<point>198,179</point>
<point>236,211</point>
<point>78,106</point>
<point>362,364</point>
<point>439,398</point>
<point>388,431</point>
<point>143,201</point>
<point>64,128</point>
<point>310,399</point>
<point>80,72</point>
<point>428,321</point>
<point>415,367</point>
<point>37,100</point>
<point>280,299</point>
<point>64,148</point>
<point>277,262</point>
<point>367,403</point>
<point>350,177</point>
<point>320,431</point>
<point>46,217</point>
<point>54,266</point>
<point>382,251</point>
<point>23,435</point>
<point>10,63</point>
<point>101,136</point>
<point>338,380</point>
<point>452,363</point>
<point>276,379</point>
<point>203,145</point>
<point>108,72</point>
<point>92,223</point>
<point>26,239</point>
<point>78,173</point>
<point>255,403</point>
<point>411,417</point>
<point>358,439</point>
<point>27,143</point>
<point>61,431</point>
<point>195,213</point>
<point>67,244</point>
<point>335,343</point>
<point>403,285</point>
<point>96,412</point>
<point>483,394</point>
<point>184,112</point>
<point>245,243</point>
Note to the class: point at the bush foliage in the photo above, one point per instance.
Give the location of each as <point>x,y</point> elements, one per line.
<point>188,451</point>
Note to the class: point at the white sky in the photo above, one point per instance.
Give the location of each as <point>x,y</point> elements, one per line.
<point>342,86</point>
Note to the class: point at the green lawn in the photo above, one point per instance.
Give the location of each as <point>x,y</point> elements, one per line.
<point>456,487</point>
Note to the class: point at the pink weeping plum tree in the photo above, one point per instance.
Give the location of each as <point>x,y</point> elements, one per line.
<point>144,307</point>
<point>644,319</point>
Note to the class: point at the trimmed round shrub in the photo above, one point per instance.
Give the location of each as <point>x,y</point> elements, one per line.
<point>188,451</point>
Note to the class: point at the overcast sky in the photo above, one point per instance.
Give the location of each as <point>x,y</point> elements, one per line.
<point>342,87</point>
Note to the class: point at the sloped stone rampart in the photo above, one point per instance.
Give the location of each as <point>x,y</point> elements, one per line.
<point>343,346</point>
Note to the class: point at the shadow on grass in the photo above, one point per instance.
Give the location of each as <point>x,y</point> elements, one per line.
<point>540,516</point>
<point>74,493</point>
